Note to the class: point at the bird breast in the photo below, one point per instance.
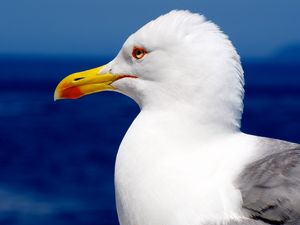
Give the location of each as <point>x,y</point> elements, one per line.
<point>159,180</point>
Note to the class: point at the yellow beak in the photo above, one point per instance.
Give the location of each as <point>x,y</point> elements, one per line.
<point>84,83</point>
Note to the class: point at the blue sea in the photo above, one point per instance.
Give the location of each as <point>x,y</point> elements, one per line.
<point>57,158</point>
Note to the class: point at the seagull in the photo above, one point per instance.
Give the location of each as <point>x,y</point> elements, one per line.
<point>184,160</point>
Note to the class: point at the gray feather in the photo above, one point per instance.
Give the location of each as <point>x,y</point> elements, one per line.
<point>239,222</point>
<point>270,186</point>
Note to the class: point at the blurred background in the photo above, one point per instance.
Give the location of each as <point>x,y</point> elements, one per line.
<point>57,158</point>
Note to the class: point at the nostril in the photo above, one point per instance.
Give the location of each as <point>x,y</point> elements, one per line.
<point>78,78</point>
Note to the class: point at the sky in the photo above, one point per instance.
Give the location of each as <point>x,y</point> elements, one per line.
<point>258,28</point>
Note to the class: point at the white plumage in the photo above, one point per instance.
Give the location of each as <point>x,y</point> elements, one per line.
<point>184,160</point>
<point>179,158</point>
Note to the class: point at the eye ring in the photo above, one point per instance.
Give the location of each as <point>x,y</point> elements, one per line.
<point>138,52</point>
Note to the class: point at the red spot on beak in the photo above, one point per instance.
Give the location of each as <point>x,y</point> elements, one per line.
<point>72,92</point>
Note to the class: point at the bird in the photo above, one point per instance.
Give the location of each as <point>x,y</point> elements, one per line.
<point>184,159</point>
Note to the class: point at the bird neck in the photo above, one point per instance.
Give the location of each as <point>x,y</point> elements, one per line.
<point>208,103</point>
<point>201,123</point>
<point>204,113</point>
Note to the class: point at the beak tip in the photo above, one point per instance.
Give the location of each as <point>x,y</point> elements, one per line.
<point>56,96</point>
<point>82,83</point>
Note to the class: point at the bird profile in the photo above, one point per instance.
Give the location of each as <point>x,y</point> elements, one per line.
<point>184,159</point>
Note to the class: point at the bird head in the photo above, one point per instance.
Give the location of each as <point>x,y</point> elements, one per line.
<point>178,58</point>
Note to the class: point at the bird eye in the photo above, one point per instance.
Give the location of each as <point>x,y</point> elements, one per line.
<point>138,53</point>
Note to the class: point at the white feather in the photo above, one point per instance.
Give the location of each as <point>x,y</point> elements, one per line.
<point>179,159</point>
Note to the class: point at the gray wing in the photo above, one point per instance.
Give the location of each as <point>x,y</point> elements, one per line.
<point>270,188</point>
<point>239,222</point>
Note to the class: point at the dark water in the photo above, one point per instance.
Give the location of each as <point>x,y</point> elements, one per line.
<point>57,158</point>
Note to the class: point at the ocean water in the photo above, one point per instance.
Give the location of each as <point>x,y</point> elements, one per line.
<point>57,158</point>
